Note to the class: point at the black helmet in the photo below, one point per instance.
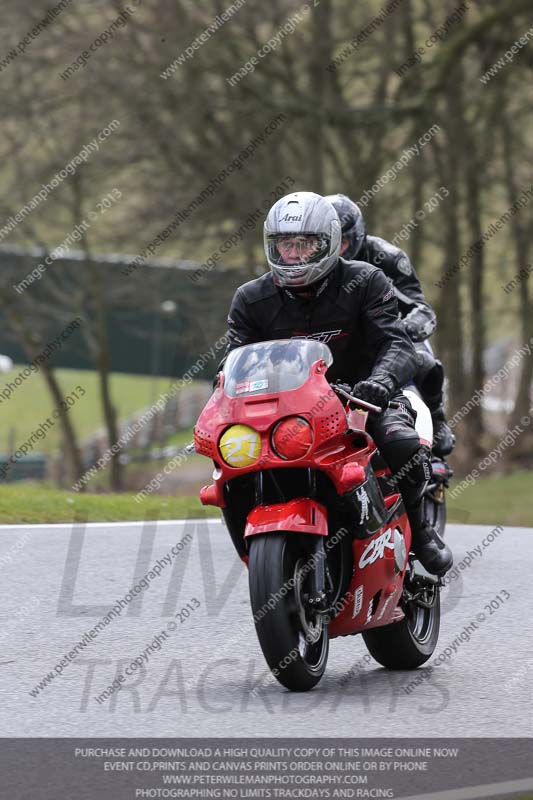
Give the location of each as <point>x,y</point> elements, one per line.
<point>352,222</point>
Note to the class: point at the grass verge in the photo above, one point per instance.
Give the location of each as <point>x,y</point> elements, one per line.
<point>33,503</point>
<point>30,404</point>
<point>500,499</point>
<point>504,500</point>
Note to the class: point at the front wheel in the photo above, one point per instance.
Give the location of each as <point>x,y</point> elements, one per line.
<point>410,643</point>
<point>293,636</point>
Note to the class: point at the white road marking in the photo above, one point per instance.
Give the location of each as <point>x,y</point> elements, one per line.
<point>131,523</point>
<point>476,792</point>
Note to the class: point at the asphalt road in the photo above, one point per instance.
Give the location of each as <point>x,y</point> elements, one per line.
<point>59,581</point>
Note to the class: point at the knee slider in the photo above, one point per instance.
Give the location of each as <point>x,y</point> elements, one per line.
<point>397,426</point>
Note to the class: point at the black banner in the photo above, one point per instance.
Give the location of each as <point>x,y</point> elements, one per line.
<point>126,769</point>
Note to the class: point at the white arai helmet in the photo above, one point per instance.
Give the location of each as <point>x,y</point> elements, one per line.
<point>302,237</point>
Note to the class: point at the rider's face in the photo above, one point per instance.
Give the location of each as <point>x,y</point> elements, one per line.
<point>298,249</point>
<point>344,244</point>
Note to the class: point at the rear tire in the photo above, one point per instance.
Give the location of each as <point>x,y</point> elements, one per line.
<point>410,643</point>
<point>296,662</point>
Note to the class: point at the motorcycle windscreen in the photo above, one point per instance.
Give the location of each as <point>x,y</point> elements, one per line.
<point>272,367</point>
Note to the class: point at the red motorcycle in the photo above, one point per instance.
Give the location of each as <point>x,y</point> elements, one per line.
<point>315,514</point>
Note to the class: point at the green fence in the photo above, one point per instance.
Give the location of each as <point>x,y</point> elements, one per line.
<point>160,317</point>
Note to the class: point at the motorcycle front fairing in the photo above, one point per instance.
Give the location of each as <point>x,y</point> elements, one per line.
<point>261,385</point>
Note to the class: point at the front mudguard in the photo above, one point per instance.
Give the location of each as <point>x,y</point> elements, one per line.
<point>302,515</point>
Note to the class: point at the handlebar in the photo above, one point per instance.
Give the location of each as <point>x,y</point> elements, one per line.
<point>356,400</point>
<point>362,403</point>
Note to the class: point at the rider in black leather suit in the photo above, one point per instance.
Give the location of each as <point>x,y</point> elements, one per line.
<point>418,318</point>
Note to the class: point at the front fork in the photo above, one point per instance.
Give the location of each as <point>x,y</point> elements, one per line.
<point>317,594</point>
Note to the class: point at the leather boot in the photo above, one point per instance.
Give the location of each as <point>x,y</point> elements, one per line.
<point>432,551</point>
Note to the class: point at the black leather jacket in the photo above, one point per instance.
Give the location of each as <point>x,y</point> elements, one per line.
<point>354,311</point>
<point>414,308</point>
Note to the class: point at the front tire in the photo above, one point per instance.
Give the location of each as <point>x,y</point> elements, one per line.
<point>294,639</point>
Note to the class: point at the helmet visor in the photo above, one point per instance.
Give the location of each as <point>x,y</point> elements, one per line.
<point>297,250</point>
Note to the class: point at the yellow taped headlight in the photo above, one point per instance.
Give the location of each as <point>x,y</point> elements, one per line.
<point>240,446</point>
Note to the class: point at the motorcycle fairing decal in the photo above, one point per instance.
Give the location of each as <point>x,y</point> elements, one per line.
<point>364,501</point>
<point>251,386</point>
<point>385,606</point>
<point>240,445</point>
<point>376,549</point>
<point>358,601</point>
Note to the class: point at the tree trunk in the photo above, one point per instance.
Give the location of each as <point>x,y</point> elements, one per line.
<point>101,350</point>
<point>320,55</point>
<point>70,443</point>
<point>31,348</point>
<point>521,244</point>
<point>449,335</point>
<point>102,365</point>
<point>418,167</point>
<point>462,157</point>
<point>477,272</point>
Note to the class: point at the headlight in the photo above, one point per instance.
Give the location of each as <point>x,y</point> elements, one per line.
<point>240,446</point>
<point>292,438</point>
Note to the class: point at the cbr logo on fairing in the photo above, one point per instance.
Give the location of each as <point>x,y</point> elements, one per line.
<point>376,549</point>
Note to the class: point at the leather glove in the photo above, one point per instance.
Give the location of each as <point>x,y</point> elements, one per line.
<point>418,326</point>
<point>374,392</point>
